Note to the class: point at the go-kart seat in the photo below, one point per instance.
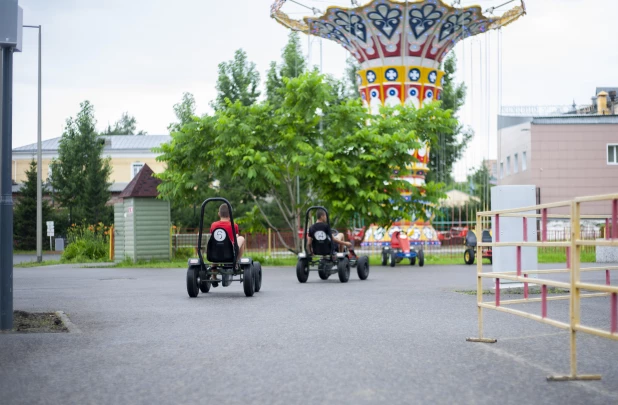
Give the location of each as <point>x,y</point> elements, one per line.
<point>395,241</point>
<point>220,248</point>
<point>322,247</point>
<point>486,238</point>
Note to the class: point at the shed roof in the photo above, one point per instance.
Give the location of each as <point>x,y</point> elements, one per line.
<point>112,143</point>
<point>144,184</point>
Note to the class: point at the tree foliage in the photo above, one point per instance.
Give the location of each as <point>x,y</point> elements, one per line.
<point>184,111</point>
<point>80,175</point>
<point>451,144</point>
<point>238,80</point>
<point>24,216</point>
<point>126,125</point>
<point>348,165</point>
<point>292,65</point>
<point>351,82</point>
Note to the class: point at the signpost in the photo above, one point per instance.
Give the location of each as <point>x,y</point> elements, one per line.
<point>50,233</point>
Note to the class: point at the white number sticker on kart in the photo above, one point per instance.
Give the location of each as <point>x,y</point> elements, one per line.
<point>219,235</point>
<point>320,235</point>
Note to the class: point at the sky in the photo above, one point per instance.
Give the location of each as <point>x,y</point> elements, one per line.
<point>140,56</point>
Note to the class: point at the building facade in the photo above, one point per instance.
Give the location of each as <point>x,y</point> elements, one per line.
<point>564,156</point>
<point>128,154</point>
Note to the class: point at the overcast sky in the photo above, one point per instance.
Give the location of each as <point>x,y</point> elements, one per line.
<point>141,55</point>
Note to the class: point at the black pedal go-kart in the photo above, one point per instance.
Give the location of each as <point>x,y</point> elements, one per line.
<point>326,259</point>
<point>221,264</point>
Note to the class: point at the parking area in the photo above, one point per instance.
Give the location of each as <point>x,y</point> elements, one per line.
<point>398,337</point>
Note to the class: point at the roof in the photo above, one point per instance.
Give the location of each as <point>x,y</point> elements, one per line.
<point>590,119</point>
<point>605,89</point>
<point>144,184</point>
<point>456,198</point>
<point>112,143</point>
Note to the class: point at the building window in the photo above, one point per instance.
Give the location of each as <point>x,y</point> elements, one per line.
<point>612,154</point>
<point>501,170</point>
<point>135,168</point>
<point>508,165</point>
<point>515,163</point>
<point>524,162</point>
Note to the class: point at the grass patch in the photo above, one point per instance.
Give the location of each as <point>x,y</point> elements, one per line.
<point>35,264</point>
<point>532,290</point>
<point>28,322</point>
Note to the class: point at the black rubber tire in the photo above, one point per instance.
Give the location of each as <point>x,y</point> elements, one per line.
<point>248,282</point>
<point>302,271</point>
<point>226,280</point>
<point>362,268</point>
<point>257,269</point>
<point>324,275</point>
<point>343,269</point>
<point>384,257</point>
<point>491,261</point>
<point>192,288</point>
<point>204,286</point>
<point>469,256</point>
<point>412,261</point>
<point>393,258</point>
<point>421,258</point>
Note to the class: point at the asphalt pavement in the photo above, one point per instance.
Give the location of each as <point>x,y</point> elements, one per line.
<point>396,338</point>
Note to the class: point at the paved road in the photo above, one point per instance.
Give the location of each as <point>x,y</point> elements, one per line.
<point>397,338</point>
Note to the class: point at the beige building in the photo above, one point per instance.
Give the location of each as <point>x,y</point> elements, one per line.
<point>128,155</point>
<point>564,156</point>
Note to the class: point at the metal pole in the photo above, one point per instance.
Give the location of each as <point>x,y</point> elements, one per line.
<point>39,169</point>
<point>6,196</point>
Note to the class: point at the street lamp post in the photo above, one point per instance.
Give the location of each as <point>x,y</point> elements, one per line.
<point>39,168</point>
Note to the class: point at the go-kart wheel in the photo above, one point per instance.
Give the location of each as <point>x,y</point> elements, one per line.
<point>192,289</point>
<point>302,271</point>
<point>324,274</point>
<point>343,269</point>
<point>412,261</point>
<point>362,268</point>
<point>491,261</point>
<point>248,280</point>
<point>257,269</point>
<point>204,286</point>
<point>421,258</point>
<point>226,280</point>
<point>469,256</point>
<point>393,259</point>
<point>384,257</point>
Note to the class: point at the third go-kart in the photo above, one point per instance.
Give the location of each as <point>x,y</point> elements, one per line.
<point>470,243</point>
<point>400,249</point>
<point>326,259</point>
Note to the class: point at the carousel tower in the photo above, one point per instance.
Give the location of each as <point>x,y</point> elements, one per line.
<point>400,46</point>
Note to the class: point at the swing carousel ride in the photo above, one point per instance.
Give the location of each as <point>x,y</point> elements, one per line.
<point>400,46</point>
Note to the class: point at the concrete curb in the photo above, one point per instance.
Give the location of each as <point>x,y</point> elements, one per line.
<point>67,322</point>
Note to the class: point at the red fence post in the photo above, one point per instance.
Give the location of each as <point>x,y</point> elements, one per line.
<point>497,292</point>
<point>518,261</point>
<point>615,219</point>
<point>544,301</point>
<point>497,228</point>
<point>525,288</point>
<point>525,229</point>
<point>614,310</point>
<point>544,225</point>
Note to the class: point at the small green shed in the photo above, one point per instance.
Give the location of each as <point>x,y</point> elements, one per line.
<point>141,221</point>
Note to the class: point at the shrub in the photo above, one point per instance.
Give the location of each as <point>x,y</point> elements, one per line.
<point>184,253</point>
<point>87,243</point>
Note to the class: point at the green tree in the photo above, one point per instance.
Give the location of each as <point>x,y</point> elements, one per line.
<point>80,175</point>
<point>184,111</point>
<point>292,65</point>
<point>126,125</point>
<point>24,216</point>
<point>351,81</point>
<point>238,80</point>
<point>277,152</point>
<point>451,144</point>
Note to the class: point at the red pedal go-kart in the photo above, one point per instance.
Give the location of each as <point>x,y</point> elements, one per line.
<point>400,249</point>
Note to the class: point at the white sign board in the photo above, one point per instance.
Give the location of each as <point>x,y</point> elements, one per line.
<point>50,228</point>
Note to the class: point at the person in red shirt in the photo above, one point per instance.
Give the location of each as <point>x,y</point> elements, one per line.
<point>224,222</point>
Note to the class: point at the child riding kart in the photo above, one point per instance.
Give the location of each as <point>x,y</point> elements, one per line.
<point>321,254</point>
<point>400,249</point>
<point>222,254</point>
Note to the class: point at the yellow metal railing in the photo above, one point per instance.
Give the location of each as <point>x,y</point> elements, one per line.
<point>573,266</point>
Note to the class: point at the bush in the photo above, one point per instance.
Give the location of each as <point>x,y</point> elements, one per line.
<point>87,243</point>
<point>184,253</point>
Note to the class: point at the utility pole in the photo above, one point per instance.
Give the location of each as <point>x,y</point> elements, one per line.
<point>10,41</point>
